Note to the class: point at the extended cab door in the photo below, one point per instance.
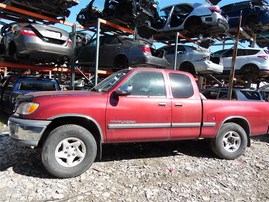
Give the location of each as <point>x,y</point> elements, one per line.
<point>145,114</point>
<point>186,107</point>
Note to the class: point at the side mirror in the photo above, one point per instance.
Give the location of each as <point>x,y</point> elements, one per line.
<point>124,90</point>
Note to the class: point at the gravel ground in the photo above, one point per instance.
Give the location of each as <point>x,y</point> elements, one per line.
<point>170,171</point>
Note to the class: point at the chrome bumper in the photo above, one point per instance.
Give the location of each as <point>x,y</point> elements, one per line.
<point>27,132</point>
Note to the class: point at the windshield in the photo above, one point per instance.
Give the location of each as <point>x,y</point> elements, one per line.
<point>110,81</point>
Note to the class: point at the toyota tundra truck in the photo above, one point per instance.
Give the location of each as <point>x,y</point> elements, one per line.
<point>131,105</point>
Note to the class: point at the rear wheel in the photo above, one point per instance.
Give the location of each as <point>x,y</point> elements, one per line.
<point>250,72</point>
<point>230,142</point>
<point>69,151</point>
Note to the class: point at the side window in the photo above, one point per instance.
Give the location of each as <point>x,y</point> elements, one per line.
<point>252,52</point>
<point>147,83</point>
<point>241,52</point>
<point>181,85</point>
<point>181,49</point>
<point>179,14</point>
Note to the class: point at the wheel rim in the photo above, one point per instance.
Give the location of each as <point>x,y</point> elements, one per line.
<point>231,141</point>
<point>70,152</point>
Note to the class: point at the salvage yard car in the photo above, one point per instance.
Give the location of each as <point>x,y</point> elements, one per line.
<point>192,18</point>
<point>131,105</point>
<point>255,15</point>
<point>12,86</point>
<point>35,43</point>
<point>251,63</point>
<point>119,52</point>
<point>237,94</point>
<point>195,60</point>
<point>52,8</point>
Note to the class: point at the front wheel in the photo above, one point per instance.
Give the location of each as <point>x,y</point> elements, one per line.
<point>230,142</point>
<point>69,151</point>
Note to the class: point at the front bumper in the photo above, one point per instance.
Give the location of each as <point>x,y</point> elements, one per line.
<point>26,132</point>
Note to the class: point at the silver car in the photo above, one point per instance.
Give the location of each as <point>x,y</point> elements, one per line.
<point>35,43</point>
<point>192,19</point>
<point>192,59</point>
<point>118,52</point>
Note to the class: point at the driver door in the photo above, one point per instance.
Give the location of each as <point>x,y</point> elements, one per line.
<point>143,115</point>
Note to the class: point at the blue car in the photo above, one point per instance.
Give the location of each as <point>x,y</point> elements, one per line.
<point>255,15</point>
<point>14,85</point>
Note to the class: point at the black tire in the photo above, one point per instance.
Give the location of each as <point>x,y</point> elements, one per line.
<point>230,142</point>
<point>69,151</point>
<point>250,72</point>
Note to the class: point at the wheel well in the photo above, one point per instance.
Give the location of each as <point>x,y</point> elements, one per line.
<point>119,58</point>
<point>188,67</point>
<point>243,123</point>
<point>192,20</point>
<point>81,121</point>
<point>250,64</point>
<point>251,18</point>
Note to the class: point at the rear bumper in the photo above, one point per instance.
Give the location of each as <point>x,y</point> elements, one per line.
<point>149,61</point>
<point>216,22</point>
<point>207,66</point>
<point>26,132</point>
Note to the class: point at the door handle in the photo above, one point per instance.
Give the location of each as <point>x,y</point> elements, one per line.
<point>162,104</point>
<point>178,104</point>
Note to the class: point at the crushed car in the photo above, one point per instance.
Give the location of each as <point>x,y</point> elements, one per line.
<point>134,14</point>
<point>192,19</point>
<point>255,15</point>
<point>192,59</point>
<point>52,8</point>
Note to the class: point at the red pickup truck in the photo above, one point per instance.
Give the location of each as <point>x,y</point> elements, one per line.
<point>132,105</point>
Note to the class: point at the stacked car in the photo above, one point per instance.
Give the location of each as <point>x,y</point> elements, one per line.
<point>35,43</point>
<point>52,8</point>
<point>30,42</point>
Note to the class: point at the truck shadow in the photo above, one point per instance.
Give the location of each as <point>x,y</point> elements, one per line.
<point>127,151</point>
<point>26,161</point>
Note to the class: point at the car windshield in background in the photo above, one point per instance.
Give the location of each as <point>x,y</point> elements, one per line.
<point>110,81</point>
<point>237,94</point>
<point>251,95</point>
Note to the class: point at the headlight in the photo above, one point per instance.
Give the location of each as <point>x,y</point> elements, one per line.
<point>26,108</point>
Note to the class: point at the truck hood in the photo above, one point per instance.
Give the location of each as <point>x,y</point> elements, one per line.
<point>62,93</point>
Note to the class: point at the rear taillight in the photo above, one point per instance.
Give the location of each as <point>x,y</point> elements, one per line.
<point>265,57</point>
<point>214,9</point>
<point>27,32</point>
<point>70,41</point>
<point>146,49</point>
